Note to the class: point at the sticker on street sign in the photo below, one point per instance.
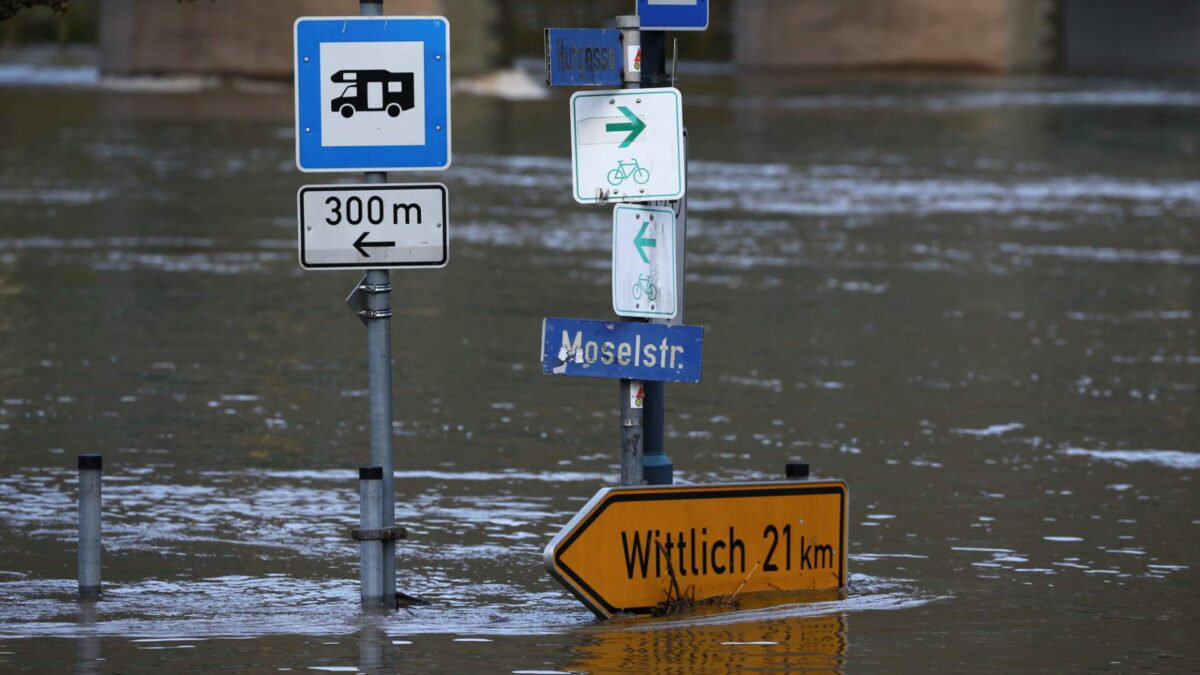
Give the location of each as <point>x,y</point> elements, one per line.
<point>627,146</point>
<point>643,266</point>
<point>583,57</point>
<point>373,226</point>
<point>673,14</point>
<point>620,551</point>
<point>372,93</point>
<point>622,350</point>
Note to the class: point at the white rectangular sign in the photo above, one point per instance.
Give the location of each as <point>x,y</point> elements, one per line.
<point>373,226</point>
<point>627,146</point>
<point>643,278</point>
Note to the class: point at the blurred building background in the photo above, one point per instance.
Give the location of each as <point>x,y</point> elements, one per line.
<point>253,39</point>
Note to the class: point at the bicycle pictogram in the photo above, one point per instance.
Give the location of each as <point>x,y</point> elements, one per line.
<point>644,285</point>
<point>627,170</point>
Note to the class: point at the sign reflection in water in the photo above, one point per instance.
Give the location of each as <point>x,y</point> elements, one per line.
<point>694,646</point>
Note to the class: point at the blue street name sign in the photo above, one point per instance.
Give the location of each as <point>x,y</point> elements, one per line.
<point>626,350</point>
<point>583,57</point>
<point>372,93</point>
<point>673,14</point>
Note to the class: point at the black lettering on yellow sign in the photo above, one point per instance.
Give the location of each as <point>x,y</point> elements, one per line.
<point>721,555</point>
<point>621,551</point>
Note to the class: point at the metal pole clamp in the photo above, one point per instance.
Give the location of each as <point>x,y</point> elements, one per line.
<point>380,534</point>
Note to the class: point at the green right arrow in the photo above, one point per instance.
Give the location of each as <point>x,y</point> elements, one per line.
<point>640,242</point>
<point>634,126</point>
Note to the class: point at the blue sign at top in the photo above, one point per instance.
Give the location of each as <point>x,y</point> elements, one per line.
<point>673,14</point>
<point>372,93</point>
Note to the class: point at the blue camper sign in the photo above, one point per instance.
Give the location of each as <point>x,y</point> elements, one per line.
<point>372,93</point>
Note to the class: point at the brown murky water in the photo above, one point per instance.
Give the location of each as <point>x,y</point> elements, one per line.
<point>974,300</point>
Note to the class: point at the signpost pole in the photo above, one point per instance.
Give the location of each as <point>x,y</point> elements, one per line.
<point>632,468</point>
<point>379,365</point>
<point>659,469</point>
<point>370,497</point>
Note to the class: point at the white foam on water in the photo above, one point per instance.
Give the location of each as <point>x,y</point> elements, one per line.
<point>1105,254</point>
<point>30,75</point>
<point>872,602</point>
<point>976,549</point>
<point>979,100</point>
<point>88,76</point>
<point>993,430</point>
<point>511,84</point>
<point>1174,459</point>
<point>469,476</point>
<point>175,84</point>
<point>168,647</point>
<point>62,196</point>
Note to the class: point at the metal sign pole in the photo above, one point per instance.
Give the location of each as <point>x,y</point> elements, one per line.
<point>377,285</point>
<point>632,469</point>
<point>659,469</point>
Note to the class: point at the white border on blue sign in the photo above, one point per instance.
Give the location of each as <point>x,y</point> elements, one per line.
<point>413,158</point>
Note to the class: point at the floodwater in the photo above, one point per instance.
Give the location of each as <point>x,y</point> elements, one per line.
<point>974,299</point>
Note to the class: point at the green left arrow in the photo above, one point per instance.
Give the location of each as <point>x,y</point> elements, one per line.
<point>634,126</point>
<point>641,241</point>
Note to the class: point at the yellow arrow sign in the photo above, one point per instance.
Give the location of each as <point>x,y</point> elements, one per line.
<point>619,553</point>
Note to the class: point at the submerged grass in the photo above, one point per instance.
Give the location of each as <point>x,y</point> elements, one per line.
<point>680,602</point>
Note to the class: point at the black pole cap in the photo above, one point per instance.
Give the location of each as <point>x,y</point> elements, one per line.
<point>91,462</point>
<point>370,473</point>
<point>796,469</point>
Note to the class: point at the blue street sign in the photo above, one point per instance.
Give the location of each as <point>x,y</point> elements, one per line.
<point>618,349</point>
<point>583,57</point>
<point>372,93</point>
<point>673,14</point>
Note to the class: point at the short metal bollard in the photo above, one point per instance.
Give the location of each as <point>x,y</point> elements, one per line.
<point>89,525</point>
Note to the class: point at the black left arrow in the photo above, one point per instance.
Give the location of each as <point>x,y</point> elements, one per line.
<point>361,244</point>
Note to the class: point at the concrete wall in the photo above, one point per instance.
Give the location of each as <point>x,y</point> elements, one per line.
<point>253,38</point>
<point>991,35</point>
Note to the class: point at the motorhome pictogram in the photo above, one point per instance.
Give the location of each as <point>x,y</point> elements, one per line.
<point>371,90</point>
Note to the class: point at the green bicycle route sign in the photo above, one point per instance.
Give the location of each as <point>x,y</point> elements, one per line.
<point>627,146</point>
<point>643,279</point>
